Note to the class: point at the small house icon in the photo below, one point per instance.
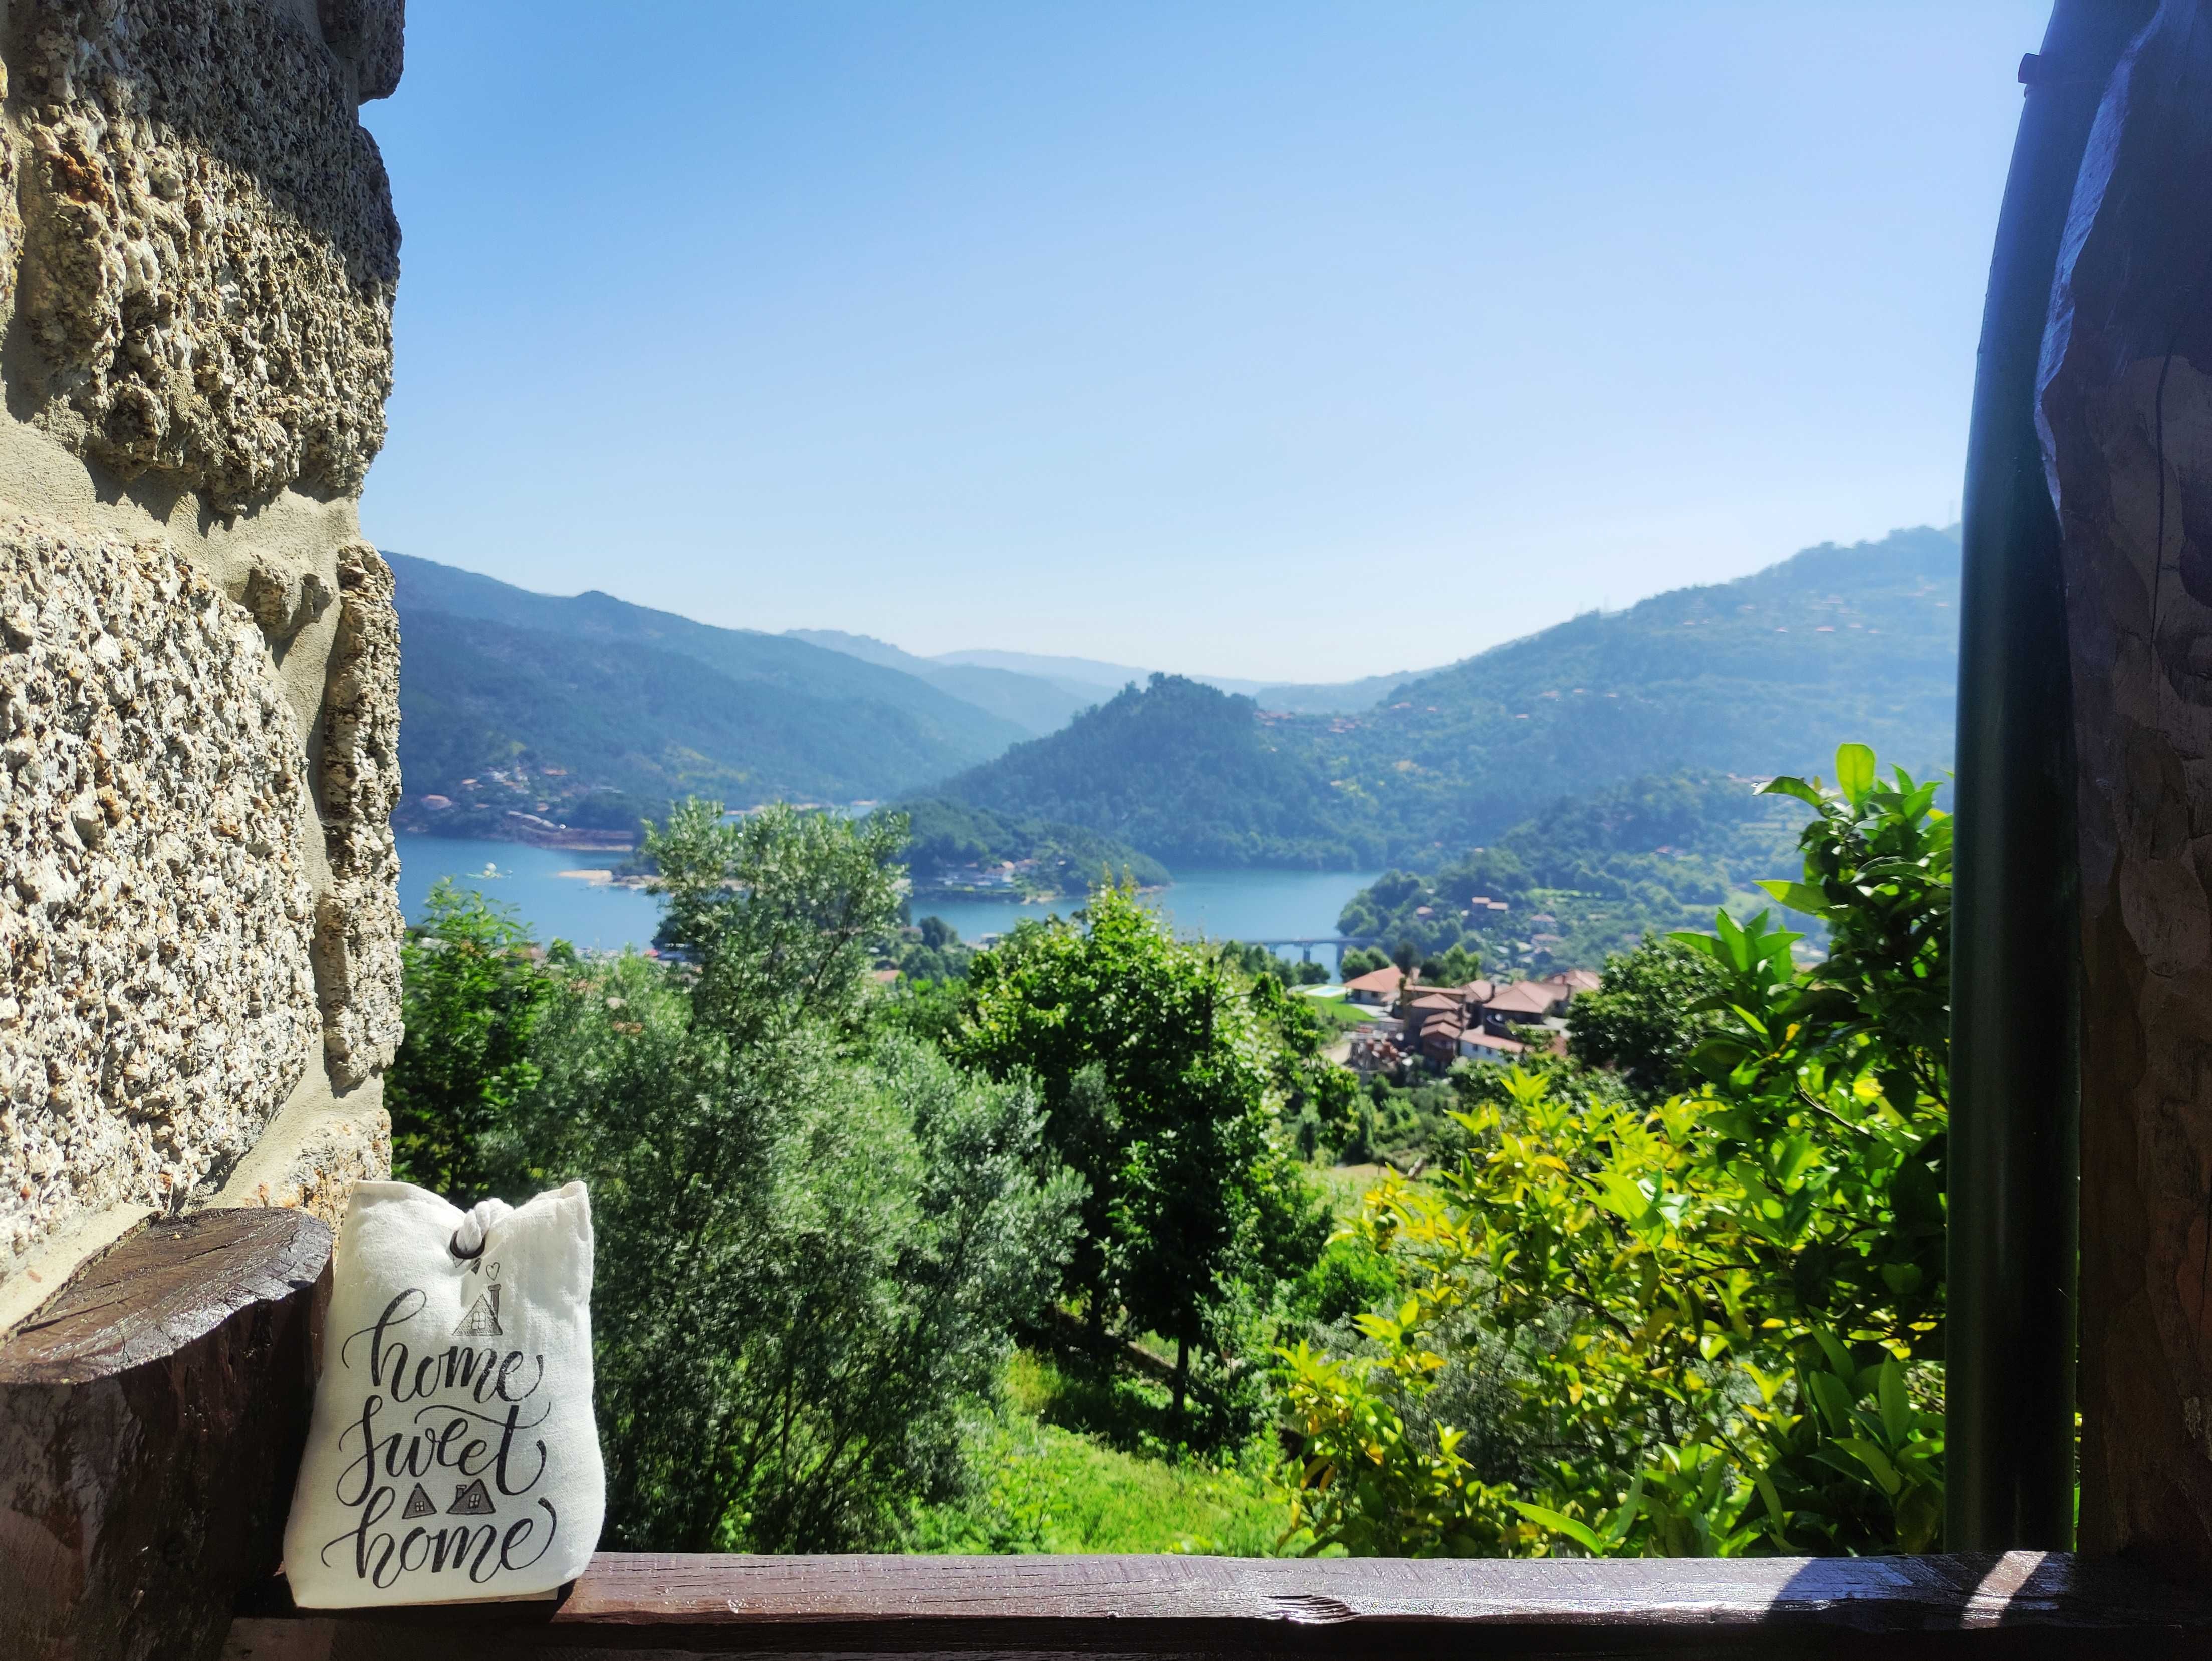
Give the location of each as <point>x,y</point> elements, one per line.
<point>470,1500</point>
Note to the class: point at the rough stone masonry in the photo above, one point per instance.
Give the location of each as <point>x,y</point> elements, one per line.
<point>199,928</point>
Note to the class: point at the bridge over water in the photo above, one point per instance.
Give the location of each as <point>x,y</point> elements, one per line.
<point>1342,943</point>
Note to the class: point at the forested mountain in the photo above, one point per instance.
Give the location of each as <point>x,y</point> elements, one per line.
<point>1763,675</point>
<point>1589,874</point>
<point>1035,705</point>
<point>1188,774</point>
<point>1344,698</point>
<point>1086,677</point>
<point>542,699</point>
<point>953,846</point>
<point>552,724</point>
<point>739,654</point>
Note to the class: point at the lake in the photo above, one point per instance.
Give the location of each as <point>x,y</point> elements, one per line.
<point>1219,905</point>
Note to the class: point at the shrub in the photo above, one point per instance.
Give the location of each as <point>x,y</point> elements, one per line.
<point>1721,1316</point>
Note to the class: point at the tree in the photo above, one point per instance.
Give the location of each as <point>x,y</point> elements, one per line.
<point>1640,1022</point>
<point>1363,960</point>
<point>1455,966</point>
<point>1158,1071</point>
<point>782,909</point>
<point>472,1000</point>
<point>817,1237</point>
<point>1321,1100</point>
<point>1722,1314</point>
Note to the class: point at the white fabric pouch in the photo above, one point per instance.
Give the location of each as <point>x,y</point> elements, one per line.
<point>452,1455</point>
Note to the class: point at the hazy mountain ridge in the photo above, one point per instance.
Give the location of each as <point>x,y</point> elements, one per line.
<point>1104,679</point>
<point>1037,705</point>
<point>600,710</point>
<point>1761,675</point>
<point>739,654</point>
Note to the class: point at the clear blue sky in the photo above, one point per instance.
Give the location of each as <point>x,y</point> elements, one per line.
<point>1289,341</point>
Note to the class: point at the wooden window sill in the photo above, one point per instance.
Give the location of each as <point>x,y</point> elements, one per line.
<point>2025,1604</point>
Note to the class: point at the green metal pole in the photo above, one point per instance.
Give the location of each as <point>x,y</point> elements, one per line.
<point>2015,1094</point>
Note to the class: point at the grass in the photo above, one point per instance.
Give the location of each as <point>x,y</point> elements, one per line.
<point>1345,1186</point>
<point>1045,1487</point>
<point>1341,1014</point>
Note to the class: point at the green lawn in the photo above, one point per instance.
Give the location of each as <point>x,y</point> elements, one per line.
<point>1048,1488</point>
<point>1345,1186</point>
<point>1342,1014</point>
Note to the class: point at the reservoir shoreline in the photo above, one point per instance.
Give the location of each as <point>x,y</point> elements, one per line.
<point>546,888</point>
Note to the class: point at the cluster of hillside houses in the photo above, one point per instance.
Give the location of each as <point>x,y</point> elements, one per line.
<point>1430,1027</point>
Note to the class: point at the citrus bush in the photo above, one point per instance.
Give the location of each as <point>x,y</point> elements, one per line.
<point>1719,1318</point>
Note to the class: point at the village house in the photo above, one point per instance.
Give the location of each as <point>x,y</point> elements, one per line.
<point>1477,1045</point>
<point>1378,986</point>
<point>1440,1041</point>
<point>1524,1003</point>
<point>1377,1050</point>
<point>1481,1020</point>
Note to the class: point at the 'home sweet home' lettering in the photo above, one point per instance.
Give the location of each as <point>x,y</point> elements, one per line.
<point>442,1437</point>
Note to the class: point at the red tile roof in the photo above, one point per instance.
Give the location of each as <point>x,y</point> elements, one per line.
<point>1385,979</point>
<point>1526,998</point>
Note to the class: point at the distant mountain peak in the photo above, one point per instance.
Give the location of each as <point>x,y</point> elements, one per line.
<point>1764,674</point>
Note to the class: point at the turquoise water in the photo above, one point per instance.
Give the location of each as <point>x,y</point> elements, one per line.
<point>528,880</point>
<point>1219,905</point>
<point>1222,905</point>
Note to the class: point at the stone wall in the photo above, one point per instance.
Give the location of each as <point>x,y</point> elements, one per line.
<point>199,659</point>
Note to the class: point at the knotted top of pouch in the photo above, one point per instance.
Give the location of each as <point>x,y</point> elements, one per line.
<point>469,1238</point>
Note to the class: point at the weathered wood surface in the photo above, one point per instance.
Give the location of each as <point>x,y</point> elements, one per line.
<point>167,1287</point>
<point>2025,1603</point>
<point>2126,406</point>
<point>151,1416</point>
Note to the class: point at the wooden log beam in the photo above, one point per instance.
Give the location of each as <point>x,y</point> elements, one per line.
<point>2008,1345</point>
<point>2125,400</point>
<point>151,1416</point>
<point>2025,1604</point>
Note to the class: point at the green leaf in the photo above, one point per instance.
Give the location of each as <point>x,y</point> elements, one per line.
<point>1838,1357</point>
<point>1581,1534</point>
<point>1896,1410</point>
<point>1854,771</point>
<point>1789,787</point>
<point>1875,1460</point>
<point>1832,1397</point>
<point>1799,896</point>
<point>1702,943</point>
<point>1765,1484</point>
<point>1623,1518</point>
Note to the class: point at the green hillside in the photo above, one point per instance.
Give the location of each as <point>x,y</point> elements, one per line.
<point>535,717</point>
<point>1342,697</point>
<point>1589,874</point>
<point>954,846</point>
<point>1763,675</point>
<point>957,730</point>
<point>601,710</point>
<point>1190,775</point>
